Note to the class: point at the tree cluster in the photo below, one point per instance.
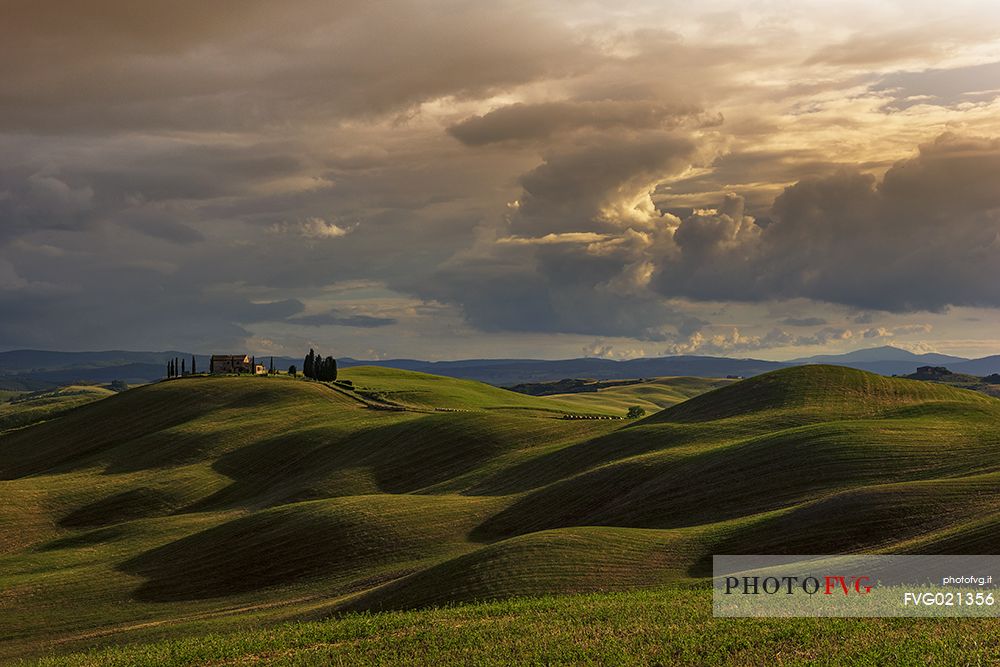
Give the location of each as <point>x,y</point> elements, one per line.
<point>635,412</point>
<point>318,368</point>
<point>173,371</point>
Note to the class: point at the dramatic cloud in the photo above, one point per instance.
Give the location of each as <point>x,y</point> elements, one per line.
<point>803,321</point>
<point>526,122</point>
<point>337,318</point>
<point>489,178</point>
<point>921,239</point>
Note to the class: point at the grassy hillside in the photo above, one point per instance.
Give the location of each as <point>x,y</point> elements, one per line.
<point>206,504</point>
<point>650,395</point>
<point>21,409</point>
<point>657,627</point>
<point>424,391</point>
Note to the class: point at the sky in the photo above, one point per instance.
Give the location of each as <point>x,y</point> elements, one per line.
<point>461,179</point>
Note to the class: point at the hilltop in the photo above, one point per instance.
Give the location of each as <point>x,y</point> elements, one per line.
<point>207,504</point>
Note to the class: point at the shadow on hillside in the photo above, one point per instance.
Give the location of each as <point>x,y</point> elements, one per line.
<point>89,434</point>
<point>737,479</point>
<point>320,462</point>
<point>340,539</point>
<point>137,503</point>
<point>633,440</point>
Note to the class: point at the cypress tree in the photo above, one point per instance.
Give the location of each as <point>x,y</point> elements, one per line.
<point>307,365</point>
<point>168,369</point>
<point>183,367</point>
<point>193,371</point>
<point>270,370</point>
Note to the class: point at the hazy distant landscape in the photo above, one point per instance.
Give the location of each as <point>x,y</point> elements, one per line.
<point>24,369</point>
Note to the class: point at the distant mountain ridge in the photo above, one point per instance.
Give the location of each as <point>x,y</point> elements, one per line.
<point>53,367</point>
<point>507,372</point>
<point>884,360</point>
<point>879,354</point>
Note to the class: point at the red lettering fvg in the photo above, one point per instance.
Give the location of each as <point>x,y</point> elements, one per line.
<point>859,585</point>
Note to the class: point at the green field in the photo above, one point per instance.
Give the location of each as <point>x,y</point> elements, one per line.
<point>659,627</point>
<point>651,395</point>
<point>28,408</point>
<point>281,520</point>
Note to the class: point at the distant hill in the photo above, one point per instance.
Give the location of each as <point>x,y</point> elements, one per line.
<point>32,361</point>
<point>509,372</point>
<point>983,366</point>
<point>885,360</point>
<point>943,374</point>
<point>32,370</point>
<point>882,353</point>
<point>38,368</point>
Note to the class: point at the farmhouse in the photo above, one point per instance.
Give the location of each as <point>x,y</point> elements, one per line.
<point>230,363</point>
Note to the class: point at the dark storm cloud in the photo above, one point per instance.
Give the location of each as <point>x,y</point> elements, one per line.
<point>41,201</point>
<point>570,266</point>
<point>550,296</point>
<point>599,183</point>
<point>527,122</point>
<point>203,173</point>
<point>232,66</point>
<point>803,321</point>
<point>248,312</point>
<point>152,307</point>
<point>590,255</point>
<point>747,171</point>
<point>163,227</point>
<point>339,318</point>
<point>922,239</point>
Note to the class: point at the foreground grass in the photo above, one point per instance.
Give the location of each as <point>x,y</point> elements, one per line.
<point>666,627</point>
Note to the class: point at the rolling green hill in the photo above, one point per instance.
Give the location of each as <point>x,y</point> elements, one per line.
<point>28,408</point>
<point>213,505</point>
<point>429,392</point>
<point>650,395</point>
